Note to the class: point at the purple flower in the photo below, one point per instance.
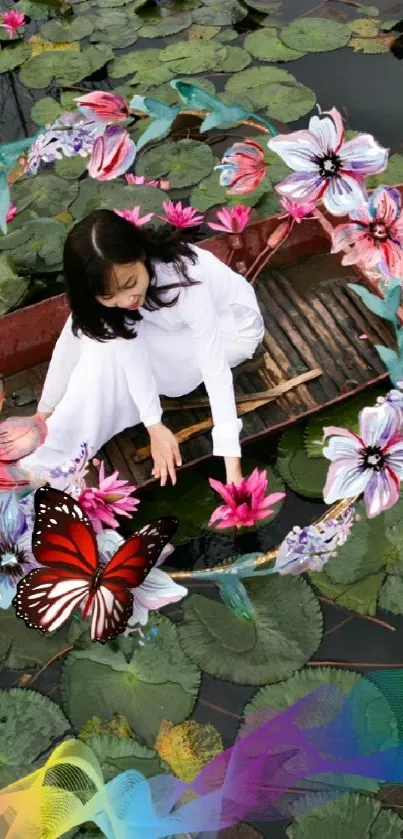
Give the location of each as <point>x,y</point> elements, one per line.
<point>16,559</point>
<point>370,462</point>
<point>69,135</point>
<point>309,548</point>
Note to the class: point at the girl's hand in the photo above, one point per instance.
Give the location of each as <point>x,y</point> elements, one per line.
<point>44,415</point>
<point>233,470</point>
<point>165,453</point>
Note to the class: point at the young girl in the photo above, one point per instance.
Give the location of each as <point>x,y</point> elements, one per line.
<point>150,315</point>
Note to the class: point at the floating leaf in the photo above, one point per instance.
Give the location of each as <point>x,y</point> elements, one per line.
<point>183,163</point>
<point>288,103</point>
<point>315,34</point>
<point>264,6</point>
<point>118,754</point>
<point>208,193</point>
<point>188,57</point>
<point>187,747</point>
<point>227,35</point>
<point>375,721</point>
<point>286,632</point>
<point>249,87</point>
<point>46,192</point>
<point>363,553</point>
<point>67,67</point>
<point>97,56</point>
<point>33,9</point>
<point>29,726</point>
<point>392,176</point>
<point>302,474</point>
<point>71,168</point>
<point>237,59</point>
<point>197,31</point>
<point>12,288</point>
<point>370,11</point>
<point>146,684</point>
<point>13,55</point>
<point>371,46</point>
<point>21,647</point>
<point>351,815</point>
<point>39,45</point>
<point>269,205</point>
<point>266,46</point>
<point>363,27</point>
<point>67,30</point>
<point>135,61</point>
<point>94,195</point>
<point>344,415</point>
<point>105,19</point>
<point>45,111</point>
<point>224,13</point>
<point>162,27</point>
<point>391,595</point>
<point>38,246</point>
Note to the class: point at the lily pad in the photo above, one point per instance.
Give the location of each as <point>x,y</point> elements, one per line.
<point>208,193</point>
<point>391,595</point>
<point>116,36</point>
<point>108,195</point>
<point>45,111</point>
<point>153,76</point>
<point>21,647</point>
<point>67,67</point>
<point>65,31</point>
<point>315,34</point>
<point>12,287</point>
<point>189,57</point>
<point>264,6</point>
<point>248,88</point>
<point>269,205</point>
<point>135,61</point>
<point>183,163</point>
<point>375,718</point>
<point>118,754</point>
<point>204,33</point>
<point>97,56</point>
<point>33,9</point>
<point>105,19</point>
<point>392,176</point>
<point>46,192</point>
<point>302,474</point>
<point>363,27</point>
<point>163,26</point>
<point>371,46</point>
<point>71,168</point>
<point>227,35</point>
<point>288,103</point>
<point>361,596</point>
<point>29,726</point>
<point>237,59</point>
<point>38,246</point>
<point>348,816</point>
<point>266,46</point>
<point>13,55</point>
<point>364,552</point>
<point>287,630</point>
<point>224,13</point>
<point>146,684</point>
<point>370,11</point>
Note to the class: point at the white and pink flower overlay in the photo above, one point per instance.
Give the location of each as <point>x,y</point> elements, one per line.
<point>326,168</point>
<point>370,462</point>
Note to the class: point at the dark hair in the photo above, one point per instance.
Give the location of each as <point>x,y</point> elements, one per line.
<point>102,240</point>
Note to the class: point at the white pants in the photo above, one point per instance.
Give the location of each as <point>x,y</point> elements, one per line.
<point>94,403</point>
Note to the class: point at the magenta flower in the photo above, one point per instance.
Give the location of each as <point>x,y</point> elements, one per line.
<point>325,167</point>
<point>140,180</point>
<point>134,216</point>
<point>242,168</point>
<point>297,211</point>
<point>375,234</point>
<point>112,154</point>
<point>179,216</point>
<point>246,503</point>
<point>110,498</point>
<point>103,106</point>
<point>370,462</point>
<point>233,220</point>
<point>12,21</point>
<point>11,213</point>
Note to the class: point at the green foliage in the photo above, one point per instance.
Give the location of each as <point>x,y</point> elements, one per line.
<point>12,289</point>
<point>12,55</point>
<point>346,818</point>
<point>184,163</point>
<point>266,46</point>
<point>315,34</point>
<point>45,111</point>
<point>304,475</point>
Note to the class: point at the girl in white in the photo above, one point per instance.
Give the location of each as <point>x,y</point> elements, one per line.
<point>150,315</point>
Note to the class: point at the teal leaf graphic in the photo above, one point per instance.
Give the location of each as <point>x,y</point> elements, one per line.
<point>234,595</point>
<point>385,308</point>
<point>4,201</point>
<point>163,117</point>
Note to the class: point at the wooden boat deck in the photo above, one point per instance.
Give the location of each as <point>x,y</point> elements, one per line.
<point>313,323</point>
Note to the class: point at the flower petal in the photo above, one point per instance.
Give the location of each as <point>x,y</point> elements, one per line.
<point>382,492</point>
<point>345,235</point>
<point>363,156</point>
<point>328,131</point>
<point>159,589</point>
<point>298,150</point>
<point>345,479</point>
<point>385,204</point>
<point>343,193</point>
<point>378,425</point>
<point>305,187</point>
<point>395,458</point>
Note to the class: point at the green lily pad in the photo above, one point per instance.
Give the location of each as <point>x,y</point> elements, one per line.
<point>269,205</point>
<point>29,726</point>
<point>224,13</point>
<point>67,67</point>
<point>66,31</point>
<point>45,111</point>
<point>33,9</point>
<point>370,11</point>
<point>391,595</point>
<point>287,630</point>
<point>315,34</point>
<point>226,35</point>
<point>13,55</point>
<point>302,474</point>
<point>237,59</point>
<point>266,46</point>
<point>264,6</point>
<point>39,246</point>
<point>135,61</point>
<point>374,717</point>
<point>288,103</point>
<point>371,46</point>
<point>208,193</point>
<point>146,684</point>
<point>71,168</point>
<point>347,817</point>
<point>189,57</point>
<point>248,88</point>
<point>47,193</point>
<point>184,163</point>
<point>118,754</point>
<point>162,27</point>
<point>363,27</point>
<point>392,176</point>
<point>97,56</point>
<point>154,76</point>
<point>106,19</point>
<point>116,36</point>
<point>108,195</point>
<point>204,33</point>
<point>21,647</point>
<point>12,287</point>
<point>360,597</point>
<point>344,416</point>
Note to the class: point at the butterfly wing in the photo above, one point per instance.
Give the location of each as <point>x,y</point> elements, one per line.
<point>45,601</point>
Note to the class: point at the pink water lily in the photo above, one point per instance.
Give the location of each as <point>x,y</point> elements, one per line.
<point>180,216</point>
<point>134,216</point>
<point>370,462</point>
<point>232,220</point>
<point>112,154</point>
<point>103,106</point>
<point>11,213</point>
<point>140,180</point>
<point>12,21</point>
<point>242,168</point>
<point>112,497</point>
<point>244,504</point>
<point>375,233</point>
<point>326,167</point>
<point>297,211</point>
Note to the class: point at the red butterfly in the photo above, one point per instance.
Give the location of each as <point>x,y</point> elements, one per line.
<point>64,542</point>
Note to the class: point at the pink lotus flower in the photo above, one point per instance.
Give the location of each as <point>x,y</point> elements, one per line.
<point>19,437</point>
<point>233,220</point>
<point>179,216</point>
<point>112,154</point>
<point>140,180</point>
<point>134,216</point>
<point>246,503</point>
<point>370,462</point>
<point>297,211</point>
<point>242,168</point>
<point>103,106</point>
<point>12,21</point>
<point>110,498</point>
<point>325,167</point>
<point>375,234</point>
<point>11,212</point>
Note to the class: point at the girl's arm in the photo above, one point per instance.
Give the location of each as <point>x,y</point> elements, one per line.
<point>64,358</point>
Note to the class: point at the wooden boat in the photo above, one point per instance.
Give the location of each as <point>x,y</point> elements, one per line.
<point>312,354</point>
